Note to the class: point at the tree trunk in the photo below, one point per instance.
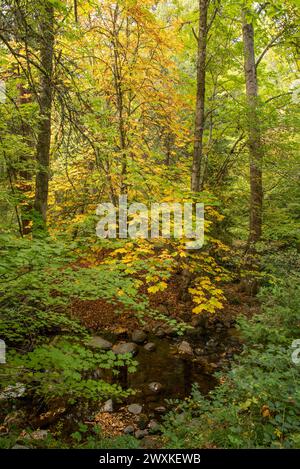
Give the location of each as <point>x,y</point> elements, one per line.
<point>197,168</point>
<point>76,11</point>
<point>45,102</point>
<point>254,138</point>
<point>117,71</point>
<point>25,175</point>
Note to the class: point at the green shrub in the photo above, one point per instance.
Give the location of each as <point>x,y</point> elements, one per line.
<point>64,370</point>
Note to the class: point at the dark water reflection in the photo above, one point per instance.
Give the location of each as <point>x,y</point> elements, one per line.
<point>175,374</point>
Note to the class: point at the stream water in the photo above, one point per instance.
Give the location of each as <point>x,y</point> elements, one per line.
<point>176,376</point>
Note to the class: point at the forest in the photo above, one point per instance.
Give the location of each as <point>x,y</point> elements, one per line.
<point>122,327</point>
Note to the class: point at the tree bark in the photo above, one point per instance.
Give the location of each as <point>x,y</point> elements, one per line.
<point>26,175</point>
<point>45,102</point>
<point>197,168</point>
<point>117,71</point>
<point>76,11</point>
<point>254,137</point>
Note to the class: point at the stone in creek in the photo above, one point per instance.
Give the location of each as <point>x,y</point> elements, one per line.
<point>128,430</point>
<point>184,348</point>
<point>140,434</point>
<point>99,342</point>
<point>169,331</point>
<point>155,387</point>
<point>135,409</point>
<point>213,366</point>
<point>138,336</point>
<point>160,410</point>
<point>108,406</point>
<point>125,347</point>
<point>150,347</point>
<point>160,333</point>
<point>154,426</point>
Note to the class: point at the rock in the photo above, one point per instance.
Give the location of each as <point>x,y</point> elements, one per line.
<point>160,410</point>
<point>138,336</point>
<point>154,426</point>
<point>143,421</point>
<point>120,332</point>
<point>160,333</point>
<point>20,447</point>
<point>39,434</point>
<point>125,347</point>
<point>100,343</point>
<point>213,366</point>
<point>150,347</point>
<point>135,409</point>
<point>211,344</point>
<point>155,387</point>
<point>108,406</point>
<point>169,331</point>
<point>140,434</point>
<point>128,430</point>
<point>184,348</point>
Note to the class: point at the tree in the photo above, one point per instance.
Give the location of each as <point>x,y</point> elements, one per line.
<point>45,104</point>
<point>254,139</point>
<point>197,168</point>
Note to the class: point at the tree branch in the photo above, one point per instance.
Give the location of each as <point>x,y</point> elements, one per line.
<point>270,45</point>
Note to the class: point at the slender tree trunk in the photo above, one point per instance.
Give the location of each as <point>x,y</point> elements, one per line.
<point>76,11</point>
<point>198,163</point>
<point>120,103</point>
<point>254,138</point>
<point>197,168</point>
<point>26,176</point>
<point>45,102</point>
